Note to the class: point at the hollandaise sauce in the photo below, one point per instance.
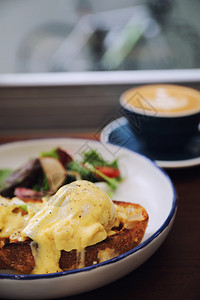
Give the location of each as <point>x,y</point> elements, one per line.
<point>14,216</point>
<point>80,214</point>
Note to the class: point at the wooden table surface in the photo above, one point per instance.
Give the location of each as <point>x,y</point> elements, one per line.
<point>173,272</point>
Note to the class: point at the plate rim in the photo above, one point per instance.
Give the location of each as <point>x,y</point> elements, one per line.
<point>145,243</point>
<point>168,164</point>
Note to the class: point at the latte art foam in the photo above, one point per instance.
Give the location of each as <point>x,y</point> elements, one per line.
<point>164,101</point>
<point>170,100</point>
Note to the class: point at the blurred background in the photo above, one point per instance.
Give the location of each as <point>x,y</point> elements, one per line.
<point>45,44</point>
<point>93,35</point>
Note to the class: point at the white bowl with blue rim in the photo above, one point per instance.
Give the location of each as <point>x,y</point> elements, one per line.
<point>144,183</point>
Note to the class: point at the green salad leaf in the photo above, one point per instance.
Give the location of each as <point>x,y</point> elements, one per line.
<point>53,153</point>
<point>94,158</point>
<point>4,173</point>
<point>112,182</point>
<point>24,207</point>
<point>85,174</point>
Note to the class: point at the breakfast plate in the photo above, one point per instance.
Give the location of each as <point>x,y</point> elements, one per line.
<point>119,133</point>
<point>144,183</point>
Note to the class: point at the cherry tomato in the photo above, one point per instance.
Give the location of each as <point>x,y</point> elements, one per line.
<point>109,171</point>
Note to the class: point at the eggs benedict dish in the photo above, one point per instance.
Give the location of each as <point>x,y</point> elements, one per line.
<point>78,226</point>
<point>77,216</point>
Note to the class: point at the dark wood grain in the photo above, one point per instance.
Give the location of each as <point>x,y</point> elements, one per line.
<point>173,272</point>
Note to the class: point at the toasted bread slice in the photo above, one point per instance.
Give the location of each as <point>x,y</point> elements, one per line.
<point>133,220</point>
<point>2,264</point>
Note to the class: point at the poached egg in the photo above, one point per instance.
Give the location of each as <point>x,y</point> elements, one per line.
<point>80,214</point>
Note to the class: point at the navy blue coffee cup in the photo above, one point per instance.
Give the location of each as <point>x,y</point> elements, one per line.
<point>162,117</point>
